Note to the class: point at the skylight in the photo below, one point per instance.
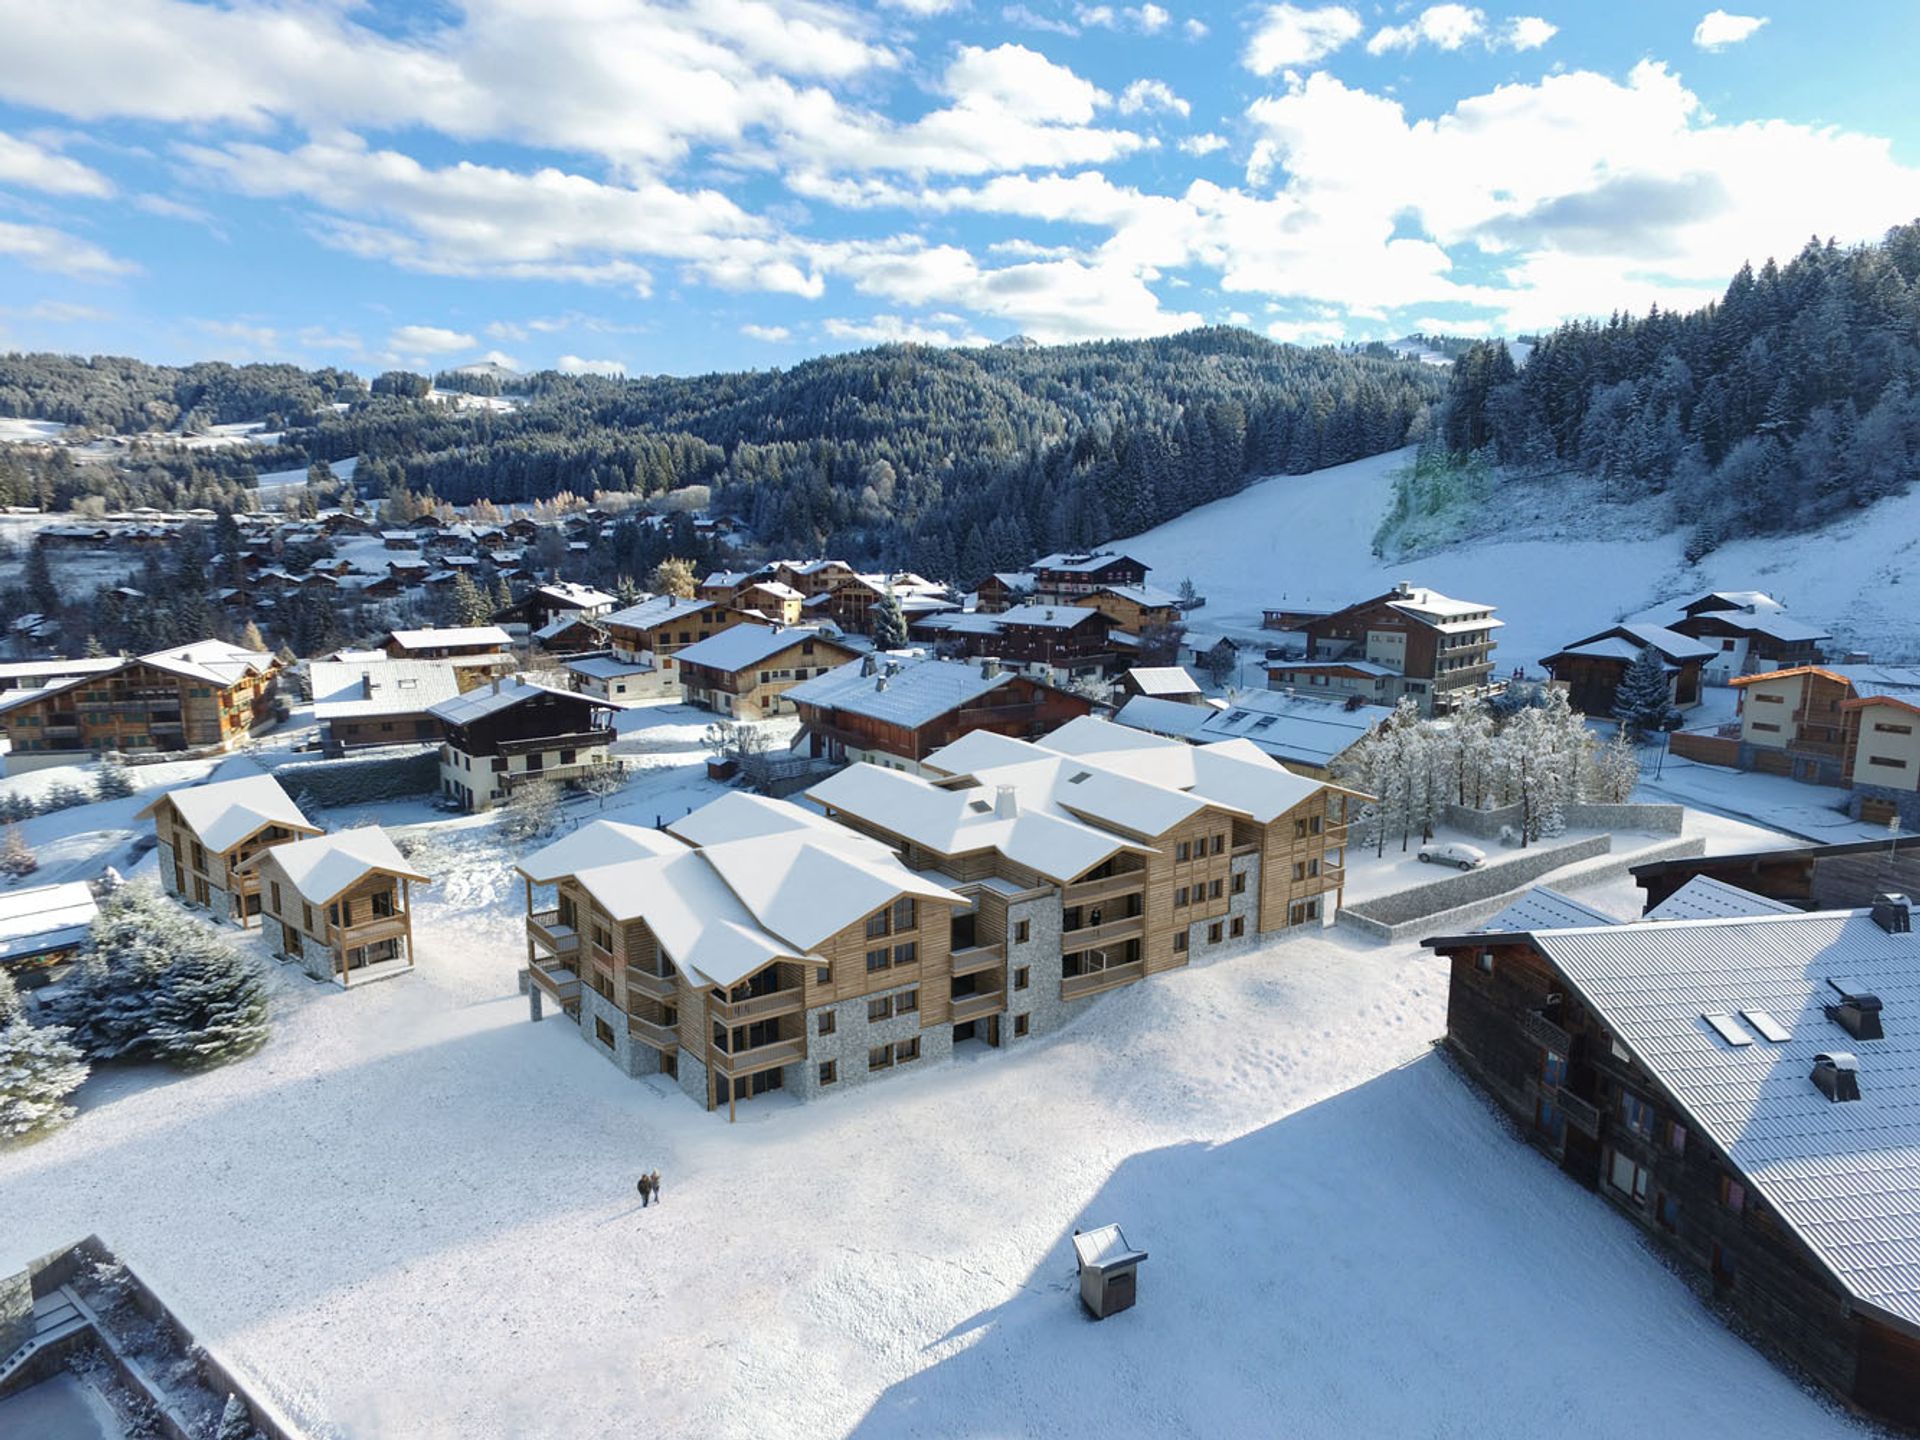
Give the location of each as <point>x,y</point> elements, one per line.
<point>1727,1028</point>
<point>1076,779</point>
<point>1770,1029</point>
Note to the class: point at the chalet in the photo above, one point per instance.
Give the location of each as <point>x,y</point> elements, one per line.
<point>449,641</point>
<point>746,671</point>
<point>1593,668</point>
<point>1161,682</point>
<point>42,929</point>
<point>769,602</point>
<point>1060,642</point>
<point>400,539</point>
<point>209,832</point>
<point>516,730</point>
<point>1134,609</point>
<point>37,674</point>
<point>340,906</point>
<point>565,636</point>
<point>895,710</point>
<point>643,640</point>
<point>1306,734</point>
<point>1729,1084</point>
<point>1850,726</point>
<point>205,696</point>
<point>558,599</point>
<point>360,703</point>
<point>1751,631</point>
<point>1844,876</point>
<point>1003,590</point>
<point>1408,642</point>
<point>763,949</point>
<point>1062,578</point>
<point>720,586</point>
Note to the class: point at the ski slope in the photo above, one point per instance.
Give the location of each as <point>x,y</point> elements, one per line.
<point>1556,575</point>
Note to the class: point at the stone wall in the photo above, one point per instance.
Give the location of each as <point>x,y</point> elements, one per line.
<point>167,859</point>
<point>1040,955</point>
<point>1375,916</point>
<point>362,779</point>
<point>1906,803</point>
<point>16,1312</point>
<point>853,1035</point>
<point>315,958</point>
<point>1579,815</point>
<point>628,1054</point>
<point>692,1075</point>
<point>1245,907</point>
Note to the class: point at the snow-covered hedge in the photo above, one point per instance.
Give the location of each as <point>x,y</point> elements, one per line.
<point>361,779</point>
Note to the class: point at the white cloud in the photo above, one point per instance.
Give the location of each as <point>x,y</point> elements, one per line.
<point>428,340</point>
<point>574,365</point>
<point>1151,19</point>
<point>1287,35</point>
<point>1194,29</point>
<point>1204,144</point>
<point>22,162</point>
<point>318,337</point>
<point>1028,18</point>
<point>65,312</point>
<point>168,208</point>
<point>42,247</point>
<point>1717,29</point>
<point>1305,332</point>
<point>924,8</point>
<point>1148,95</point>
<point>772,334</point>
<point>1528,32</point>
<point>1445,27</point>
<point>894,330</point>
<point>500,358</point>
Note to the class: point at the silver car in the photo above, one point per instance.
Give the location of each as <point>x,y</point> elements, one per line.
<point>1452,852</point>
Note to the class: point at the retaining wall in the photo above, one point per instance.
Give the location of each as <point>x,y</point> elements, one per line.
<point>1579,815</point>
<point>1380,914</point>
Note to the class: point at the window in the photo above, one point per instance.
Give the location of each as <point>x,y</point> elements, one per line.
<point>826,1022</point>
<point>1636,1114</point>
<point>1214,933</point>
<point>1020,1027</point>
<point>603,937</point>
<point>1237,927</point>
<point>603,1032</point>
<point>1240,883</point>
<point>1759,725</point>
<point>1676,1137</point>
<point>1484,960</point>
<point>1553,1068</point>
<point>1669,1210</point>
<point>1182,851</point>
<point>1763,698</point>
<point>1220,843</point>
<point>1299,869</point>
<point>1022,977</point>
<point>1180,942</point>
<point>1887,760</point>
<point>906,1050</point>
<point>1180,896</point>
<point>1886,727</point>
<point>905,914</point>
<point>906,954</point>
<point>829,1071</point>
<point>876,924</point>
<point>880,1057</point>
<point>1313,824</point>
<point>1733,1194</point>
<point>880,1008</point>
<point>278,908</point>
<point>306,915</point>
<point>566,756</point>
<point>823,974</point>
<point>906,1002</point>
<point>1300,829</point>
<point>1020,932</point>
<point>1214,888</point>
<point>1619,1052</point>
<point>1628,1177</point>
<point>878,959</point>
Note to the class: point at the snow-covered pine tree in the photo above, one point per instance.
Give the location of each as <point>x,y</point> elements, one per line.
<point>236,1422</point>
<point>111,781</point>
<point>211,1006</point>
<point>1614,770</point>
<point>17,859</point>
<point>465,604</point>
<point>1643,702</point>
<point>39,1068</point>
<point>108,1001</point>
<point>889,623</point>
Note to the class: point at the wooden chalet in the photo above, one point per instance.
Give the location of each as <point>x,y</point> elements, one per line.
<point>208,833</point>
<point>1750,631</point>
<point>1808,877</point>
<point>341,905</point>
<point>205,696</point>
<point>643,640</point>
<point>1856,727</point>
<point>1593,668</point>
<point>745,671</point>
<point>1061,641</point>
<point>1003,590</point>
<point>360,703</point>
<point>1408,642</point>
<point>1135,609</point>
<point>897,710</point>
<point>568,635</point>
<point>448,641</point>
<point>1061,578</point>
<point>515,730</point>
<point>544,604</point>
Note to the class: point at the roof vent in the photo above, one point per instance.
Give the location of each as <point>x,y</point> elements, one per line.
<point>989,667</point>
<point>1837,1076</point>
<point>1006,803</point>
<point>1858,1012</point>
<point>880,684</point>
<point>1893,914</point>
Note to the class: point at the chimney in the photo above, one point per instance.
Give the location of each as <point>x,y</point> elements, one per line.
<point>989,666</point>
<point>1858,1012</point>
<point>870,665</point>
<point>1006,803</point>
<point>881,683</point>
<point>1893,914</point>
<point>1837,1076</point>
<point>1405,587</point>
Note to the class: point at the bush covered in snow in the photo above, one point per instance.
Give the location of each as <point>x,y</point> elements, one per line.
<point>39,1068</point>
<point>17,859</point>
<point>533,811</point>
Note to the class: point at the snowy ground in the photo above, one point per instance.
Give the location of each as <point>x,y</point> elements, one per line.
<point>1561,566</point>
<point>16,432</point>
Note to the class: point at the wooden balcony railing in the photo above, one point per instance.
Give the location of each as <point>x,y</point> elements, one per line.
<point>1074,987</point>
<point>759,1057</point>
<point>544,929</point>
<point>1087,936</point>
<point>978,1007</point>
<point>660,1037</point>
<point>381,927</point>
<point>755,1007</point>
<point>976,958</point>
<point>556,981</point>
<point>655,987</point>
<point>1085,892</point>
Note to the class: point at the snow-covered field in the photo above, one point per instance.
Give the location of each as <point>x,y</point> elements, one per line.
<point>15,431</point>
<point>1557,572</point>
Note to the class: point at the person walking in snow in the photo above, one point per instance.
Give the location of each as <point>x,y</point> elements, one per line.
<point>653,1184</point>
<point>646,1193</point>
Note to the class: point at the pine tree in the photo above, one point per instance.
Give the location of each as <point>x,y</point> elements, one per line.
<point>236,1421</point>
<point>465,604</point>
<point>888,623</point>
<point>17,860</point>
<point>111,781</point>
<point>211,1006</point>
<point>108,1000</point>
<point>1643,702</point>
<point>39,1068</point>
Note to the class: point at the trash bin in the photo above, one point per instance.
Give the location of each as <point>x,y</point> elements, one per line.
<point>1109,1268</point>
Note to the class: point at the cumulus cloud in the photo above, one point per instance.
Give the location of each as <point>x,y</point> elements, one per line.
<point>23,162</point>
<point>771,334</point>
<point>44,247</point>
<point>1445,27</point>
<point>574,365</point>
<point>1147,95</point>
<point>896,330</point>
<point>428,340</point>
<point>1203,144</point>
<point>1528,32</point>
<point>1717,29</point>
<point>1286,36</point>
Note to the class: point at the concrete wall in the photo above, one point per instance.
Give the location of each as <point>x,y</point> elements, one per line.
<point>1419,902</point>
<point>628,1054</point>
<point>1770,702</point>
<point>1889,734</point>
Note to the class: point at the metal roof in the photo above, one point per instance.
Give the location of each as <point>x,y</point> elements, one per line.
<point>1543,908</point>
<point>902,690</point>
<point>739,646</point>
<point>1705,898</point>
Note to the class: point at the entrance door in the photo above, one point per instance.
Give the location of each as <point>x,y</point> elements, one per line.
<point>993,1030</point>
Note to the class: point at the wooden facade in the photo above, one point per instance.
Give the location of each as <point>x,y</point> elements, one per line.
<point>144,705</point>
<point>1813,877</point>
<point>368,926</point>
<point>656,643</point>
<point>196,871</point>
<point>754,691</point>
<point>1021,707</point>
<point>1129,614</point>
<point>1061,578</point>
<point>1440,665</point>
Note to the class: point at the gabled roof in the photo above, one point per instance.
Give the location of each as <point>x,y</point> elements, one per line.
<point>1081,562</point>
<point>1061,783</point>
<point>596,843</point>
<point>504,694</point>
<point>1303,729</point>
<point>453,635</point>
<point>1843,1176</point>
<point>1048,617</point>
<point>1625,642</point>
<point>1542,908</point>
<point>580,597</point>
<point>911,690</point>
<point>343,689</point>
<point>1148,597</point>
<point>739,646</point>
<point>324,866</point>
<point>1705,898</point>
<point>1431,606</point>
<point>222,813</point>
<point>742,815</point>
<point>1717,601</point>
<point>1232,774</point>
<point>1163,680</point>
<point>45,917</point>
<point>1164,717</point>
<point>806,887</point>
<point>212,661</point>
<point>659,610</point>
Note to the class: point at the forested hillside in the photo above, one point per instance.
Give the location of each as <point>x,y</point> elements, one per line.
<point>953,462</point>
<point>1795,397</point>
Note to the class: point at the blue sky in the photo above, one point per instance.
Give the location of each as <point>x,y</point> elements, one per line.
<point>714,184</point>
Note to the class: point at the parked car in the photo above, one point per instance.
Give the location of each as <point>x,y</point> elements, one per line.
<point>1452,852</point>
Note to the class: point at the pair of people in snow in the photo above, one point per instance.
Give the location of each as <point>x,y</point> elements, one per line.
<point>649,1188</point>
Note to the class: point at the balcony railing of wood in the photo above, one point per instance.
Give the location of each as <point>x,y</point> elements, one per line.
<point>559,774</point>
<point>1087,936</point>
<point>557,981</point>
<point>656,987</point>
<point>976,958</point>
<point>602,959</point>
<point>381,927</point>
<point>978,1007</point>
<point>544,928</point>
<point>1074,987</point>
<point>755,1007</point>
<point>1583,1115</point>
<point>1084,892</point>
<point>660,1037</point>
<point>759,1057</point>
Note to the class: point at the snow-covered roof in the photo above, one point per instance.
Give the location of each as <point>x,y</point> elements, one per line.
<point>900,690</point>
<point>453,635</point>
<point>1164,717</point>
<point>222,813</point>
<point>605,667</point>
<point>565,621</point>
<point>1303,729</point>
<point>1842,1175</point>
<point>1047,617</point>
<point>776,589</point>
<point>1778,627</point>
<point>659,610</point>
<point>574,596</point>
<point>345,689</point>
<point>1881,682</point>
<point>1705,898</point>
<point>42,670</point>
<point>1362,667</point>
<point>739,646</point>
<point>45,917</point>
<point>1055,779</point>
<point>1750,600</point>
<point>698,921</point>
<point>322,867</point>
<point>806,886</point>
<point>1149,597</point>
<point>1431,605</point>
<point>596,843</point>
<point>212,661</point>
<point>740,815</point>
<point>1543,908</point>
<point>1163,680</point>
<point>1081,562</point>
<point>488,700</point>
<point>1233,774</point>
<point>1019,581</point>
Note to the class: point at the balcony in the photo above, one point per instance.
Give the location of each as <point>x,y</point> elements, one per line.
<point>545,930</point>
<point>978,1007</point>
<point>558,774</point>
<point>755,1007</point>
<point>1542,1031</point>
<point>367,932</point>
<point>654,987</point>
<point>1087,936</point>
<point>1086,892</point>
<point>975,958</point>
<point>557,982</point>
<point>1076,987</point>
<point>648,1032</point>
<point>1583,1115</point>
<point>759,1057</point>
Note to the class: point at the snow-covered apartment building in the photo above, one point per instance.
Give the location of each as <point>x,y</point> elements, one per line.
<point>515,731</point>
<point>756,945</point>
<point>1410,642</point>
<point>1852,726</point>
